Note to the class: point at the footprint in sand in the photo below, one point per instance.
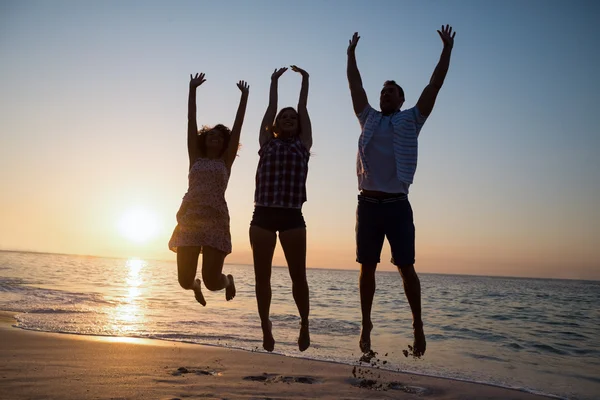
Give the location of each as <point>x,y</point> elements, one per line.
<point>421,391</point>
<point>183,370</point>
<point>274,378</point>
<point>369,378</point>
<point>380,385</point>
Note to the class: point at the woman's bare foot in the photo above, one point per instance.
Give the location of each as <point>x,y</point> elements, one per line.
<point>365,338</point>
<point>268,341</point>
<point>230,289</point>
<point>304,338</point>
<point>198,292</point>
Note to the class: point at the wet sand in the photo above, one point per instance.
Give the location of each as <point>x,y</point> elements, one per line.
<point>39,365</point>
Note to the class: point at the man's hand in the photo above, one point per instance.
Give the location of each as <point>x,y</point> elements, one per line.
<point>302,72</point>
<point>244,88</point>
<point>277,73</point>
<point>447,36</point>
<point>359,96</point>
<point>353,42</point>
<point>196,80</point>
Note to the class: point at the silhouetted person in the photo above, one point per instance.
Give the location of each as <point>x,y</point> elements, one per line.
<point>203,218</point>
<point>285,143</point>
<point>386,164</point>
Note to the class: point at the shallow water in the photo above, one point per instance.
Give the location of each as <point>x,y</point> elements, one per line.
<point>534,334</point>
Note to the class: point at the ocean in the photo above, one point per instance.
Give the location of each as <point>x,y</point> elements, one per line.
<point>536,335</point>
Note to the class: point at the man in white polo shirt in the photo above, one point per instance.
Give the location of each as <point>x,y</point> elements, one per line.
<point>386,164</point>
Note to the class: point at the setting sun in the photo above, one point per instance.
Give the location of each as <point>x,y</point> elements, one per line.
<point>138,225</point>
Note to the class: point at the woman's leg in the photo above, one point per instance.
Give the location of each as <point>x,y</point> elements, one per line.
<point>212,272</point>
<point>187,265</point>
<point>293,242</point>
<point>263,246</point>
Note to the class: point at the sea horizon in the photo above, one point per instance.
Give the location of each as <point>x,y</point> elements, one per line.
<point>308,267</point>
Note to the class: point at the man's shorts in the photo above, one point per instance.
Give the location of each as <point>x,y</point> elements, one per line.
<point>380,218</point>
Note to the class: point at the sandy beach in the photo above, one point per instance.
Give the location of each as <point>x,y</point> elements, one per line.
<point>59,366</point>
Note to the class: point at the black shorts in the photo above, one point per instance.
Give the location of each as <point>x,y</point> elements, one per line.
<point>377,219</point>
<point>276,219</point>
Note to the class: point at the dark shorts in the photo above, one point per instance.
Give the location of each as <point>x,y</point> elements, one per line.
<point>377,219</point>
<point>276,219</point>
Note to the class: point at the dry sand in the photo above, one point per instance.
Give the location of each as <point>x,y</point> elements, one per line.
<point>58,366</point>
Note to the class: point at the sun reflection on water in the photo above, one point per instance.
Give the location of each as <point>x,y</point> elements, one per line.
<point>128,314</point>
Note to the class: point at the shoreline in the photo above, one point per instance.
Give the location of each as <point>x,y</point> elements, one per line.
<point>232,373</point>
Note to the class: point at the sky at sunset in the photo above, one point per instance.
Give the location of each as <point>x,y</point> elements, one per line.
<point>93,111</point>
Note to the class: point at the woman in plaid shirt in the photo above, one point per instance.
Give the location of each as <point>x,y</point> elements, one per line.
<point>285,142</point>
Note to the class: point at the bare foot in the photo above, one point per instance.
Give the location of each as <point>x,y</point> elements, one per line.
<point>365,338</point>
<point>198,293</point>
<point>304,338</point>
<point>230,290</point>
<point>419,344</point>
<point>268,341</point>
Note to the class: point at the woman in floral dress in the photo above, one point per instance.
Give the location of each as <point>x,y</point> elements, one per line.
<point>203,218</point>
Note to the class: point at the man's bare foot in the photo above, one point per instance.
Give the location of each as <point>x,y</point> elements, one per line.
<point>304,338</point>
<point>268,341</point>
<point>365,338</point>
<point>198,292</point>
<point>230,289</point>
<point>419,344</point>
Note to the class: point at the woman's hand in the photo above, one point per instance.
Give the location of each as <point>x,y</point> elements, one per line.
<point>302,72</point>
<point>244,88</point>
<point>196,80</point>
<point>277,73</point>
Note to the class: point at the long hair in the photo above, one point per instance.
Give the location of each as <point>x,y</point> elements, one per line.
<point>275,128</point>
<point>202,133</point>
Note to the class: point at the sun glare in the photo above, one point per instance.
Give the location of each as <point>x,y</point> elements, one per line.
<point>138,225</point>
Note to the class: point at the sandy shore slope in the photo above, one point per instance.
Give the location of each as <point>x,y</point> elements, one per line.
<point>56,366</point>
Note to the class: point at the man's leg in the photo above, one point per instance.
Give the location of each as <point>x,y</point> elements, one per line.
<point>369,242</point>
<point>412,289</point>
<point>400,231</point>
<point>366,285</point>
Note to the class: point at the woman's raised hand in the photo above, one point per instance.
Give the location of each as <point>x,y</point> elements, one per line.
<point>243,86</point>
<point>277,73</point>
<point>196,80</point>
<point>302,72</point>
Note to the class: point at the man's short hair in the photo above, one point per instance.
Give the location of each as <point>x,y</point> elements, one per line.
<point>395,84</point>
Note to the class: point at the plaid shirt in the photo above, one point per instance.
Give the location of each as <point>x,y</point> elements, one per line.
<point>281,173</point>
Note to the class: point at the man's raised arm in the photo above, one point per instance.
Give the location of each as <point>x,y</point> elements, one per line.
<point>427,99</point>
<point>359,96</point>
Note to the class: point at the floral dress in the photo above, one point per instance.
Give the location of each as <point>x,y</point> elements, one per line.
<point>203,218</point>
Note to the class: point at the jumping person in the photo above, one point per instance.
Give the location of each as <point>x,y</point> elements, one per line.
<point>285,142</point>
<point>386,164</point>
<point>203,218</point>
